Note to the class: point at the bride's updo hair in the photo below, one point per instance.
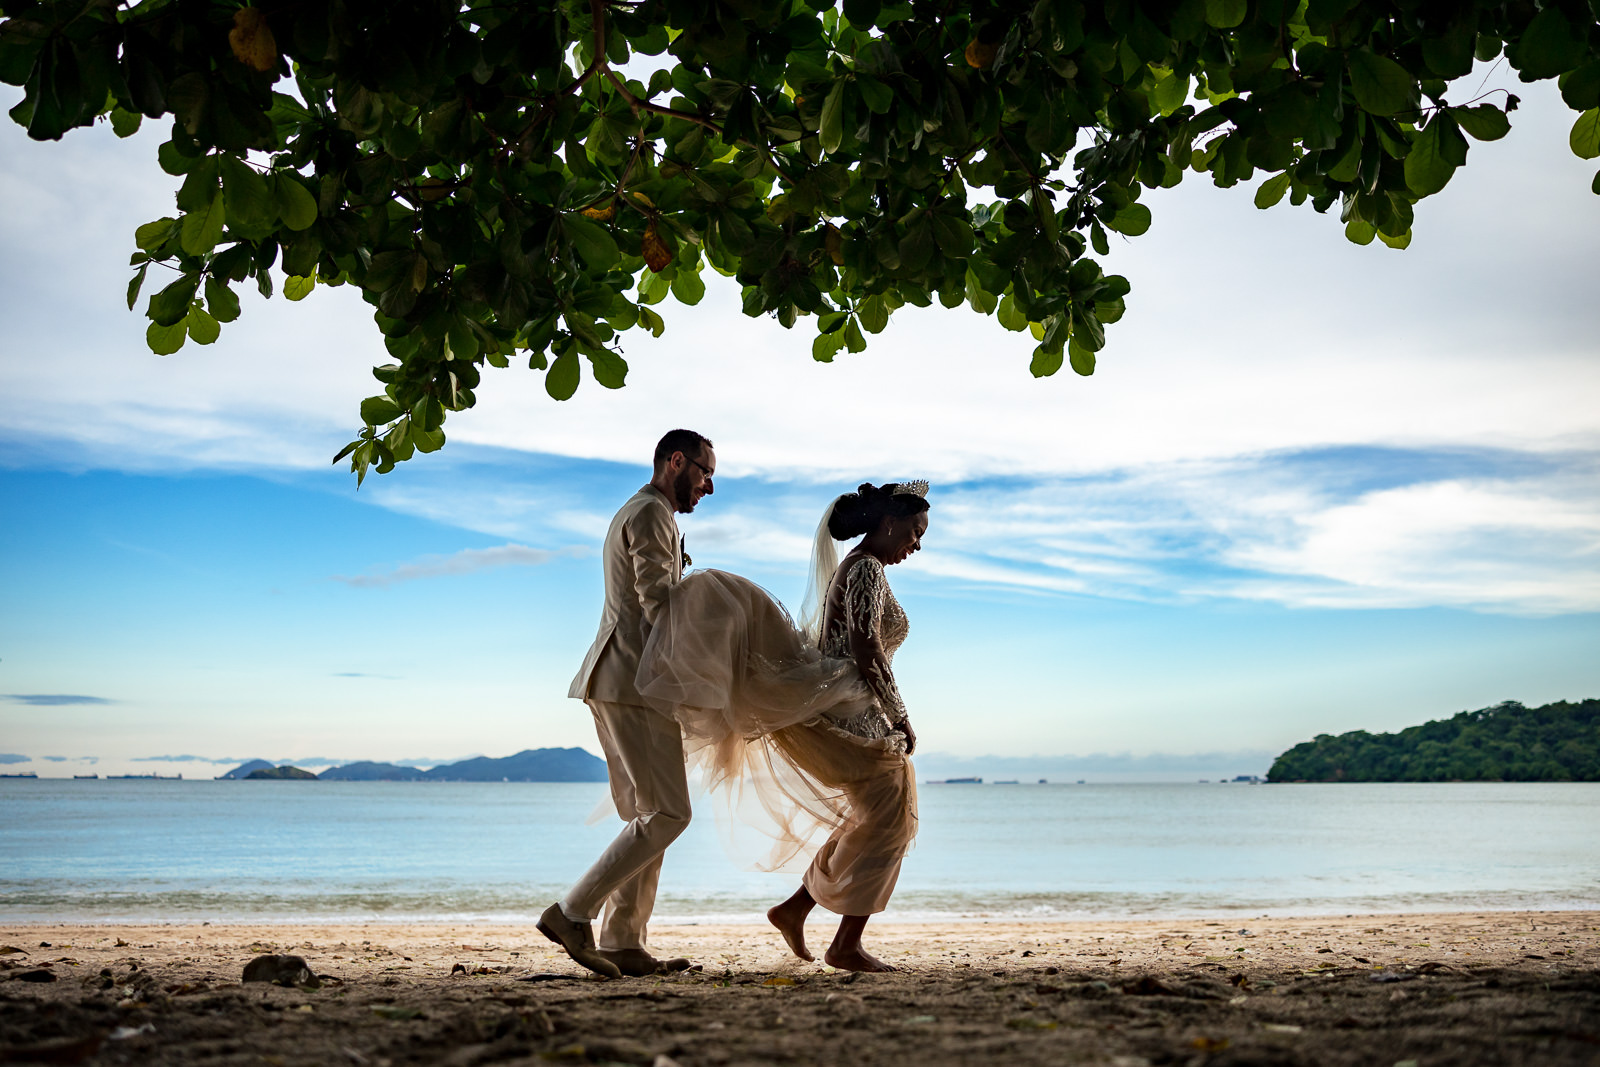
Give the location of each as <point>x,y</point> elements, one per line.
<point>859,512</point>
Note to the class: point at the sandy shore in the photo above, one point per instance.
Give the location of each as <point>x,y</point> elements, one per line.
<point>1492,988</point>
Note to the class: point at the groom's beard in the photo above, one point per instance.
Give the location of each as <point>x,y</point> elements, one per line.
<point>683,491</point>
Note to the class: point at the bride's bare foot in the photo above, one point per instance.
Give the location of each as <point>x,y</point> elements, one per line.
<point>791,923</point>
<point>856,959</point>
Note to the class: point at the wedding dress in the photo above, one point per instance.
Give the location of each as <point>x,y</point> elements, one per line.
<point>788,733</point>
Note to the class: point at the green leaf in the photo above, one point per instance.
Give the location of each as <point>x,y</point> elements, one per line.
<point>831,131</point>
<point>1484,122</point>
<point>202,327</point>
<point>1225,14</point>
<point>1581,88</point>
<point>171,305</point>
<point>175,162</point>
<point>379,411</point>
<point>1171,93</point>
<point>221,301</point>
<point>1402,241</point>
<point>1381,85</point>
<point>296,206</point>
<point>1045,363</point>
<point>1435,155</point>
<point>653,287</point>
<point>1359,231</point>
<point>953,235</point>
<point>688,286</point>
<point>852,336</point>
<point>152,235</point>
<point>251,207</point>
<point>610,369</point>
<point>878,95</point>
<point>298,287</point>
<point>826,345</point>
<point>200,185</point>
<point>592,242</point>
<point>1011,318</point>
<point>873,314</point>
<point>125,123</point>
<point>165,340</point>
<point>980,299</point>
<point>561,380</point>
<point>1082,359</point>
<point>652,322</point>
<point>1549,46</point>
<point>427,414</point>
<point>203,229</point>
<point>1132,220</point>
<point>1272,190</point>
<point>426,440</point>
<point>1585,136</point>
<point>135,284</point>
<point>916,247</point>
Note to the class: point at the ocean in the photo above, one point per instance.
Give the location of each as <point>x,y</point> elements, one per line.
<point>271,851</point>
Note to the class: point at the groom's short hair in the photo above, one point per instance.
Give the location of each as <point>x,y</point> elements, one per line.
<point>688,442</point>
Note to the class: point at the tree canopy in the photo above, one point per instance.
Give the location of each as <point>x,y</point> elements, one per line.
<point>1558,742</point>
<point>530,180</point>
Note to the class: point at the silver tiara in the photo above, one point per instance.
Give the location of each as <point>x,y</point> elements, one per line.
<point>919,487</point>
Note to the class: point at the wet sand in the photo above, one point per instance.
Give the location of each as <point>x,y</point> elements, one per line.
<point>1463,989</point>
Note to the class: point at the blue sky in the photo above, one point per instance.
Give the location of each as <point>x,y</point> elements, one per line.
<point>1312,488</point>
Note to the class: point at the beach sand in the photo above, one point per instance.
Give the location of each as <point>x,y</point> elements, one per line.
<point>1490,988</point>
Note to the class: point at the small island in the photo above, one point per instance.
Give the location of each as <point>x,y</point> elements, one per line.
<point>285,771</point>
<point>1558,742</point>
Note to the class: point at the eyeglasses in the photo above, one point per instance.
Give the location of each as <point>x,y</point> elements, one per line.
<point>703,468</point>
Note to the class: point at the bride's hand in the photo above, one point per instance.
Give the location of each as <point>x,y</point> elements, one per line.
<point>911,736</point>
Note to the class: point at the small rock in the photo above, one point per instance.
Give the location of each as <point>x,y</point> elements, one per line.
<point>280,970</point>
<point>39,975</point>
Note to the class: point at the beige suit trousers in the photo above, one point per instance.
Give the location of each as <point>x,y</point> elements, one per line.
<point>644,758</point>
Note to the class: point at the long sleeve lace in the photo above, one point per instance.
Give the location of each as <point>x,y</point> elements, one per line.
<point>866,592</point>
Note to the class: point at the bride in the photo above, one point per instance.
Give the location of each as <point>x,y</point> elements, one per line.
<point>803,733</point>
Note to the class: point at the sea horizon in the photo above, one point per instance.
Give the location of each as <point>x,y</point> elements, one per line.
<point>284,851</point>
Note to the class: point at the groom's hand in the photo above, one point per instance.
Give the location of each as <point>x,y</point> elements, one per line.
<point>911,736</point>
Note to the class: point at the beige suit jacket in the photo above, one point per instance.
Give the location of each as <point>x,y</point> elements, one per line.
<point>642,560</point>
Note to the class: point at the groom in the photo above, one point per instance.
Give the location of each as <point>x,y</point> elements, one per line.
<point>643,559</point>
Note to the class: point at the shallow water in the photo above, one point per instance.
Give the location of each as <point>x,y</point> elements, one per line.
<point>170,850</point>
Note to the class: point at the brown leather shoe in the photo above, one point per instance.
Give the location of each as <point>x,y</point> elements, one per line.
<point>637,963</point>
<point>577,939</point>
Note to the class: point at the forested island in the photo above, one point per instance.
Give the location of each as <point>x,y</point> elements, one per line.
<point>1558,742</point>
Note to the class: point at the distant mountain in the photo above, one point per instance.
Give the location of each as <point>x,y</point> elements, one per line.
<point>244,769</point>
<point>1558,742</point>
<point>529,765</point>
<point>368,771</point>
<point>281,772</point>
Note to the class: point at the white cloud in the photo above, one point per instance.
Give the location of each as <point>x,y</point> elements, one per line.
<point>464,562</point>
<point>1524,547</point>
<point>1280,529</point>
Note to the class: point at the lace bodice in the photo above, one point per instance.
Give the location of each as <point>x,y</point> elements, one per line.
<point>869,615</point>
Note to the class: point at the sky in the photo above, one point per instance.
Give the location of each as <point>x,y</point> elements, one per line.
<point>1311,488</point>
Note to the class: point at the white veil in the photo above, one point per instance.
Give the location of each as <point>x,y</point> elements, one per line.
<point>824,561</point>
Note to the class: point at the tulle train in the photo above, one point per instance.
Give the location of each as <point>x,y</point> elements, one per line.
<point>757,704</point>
